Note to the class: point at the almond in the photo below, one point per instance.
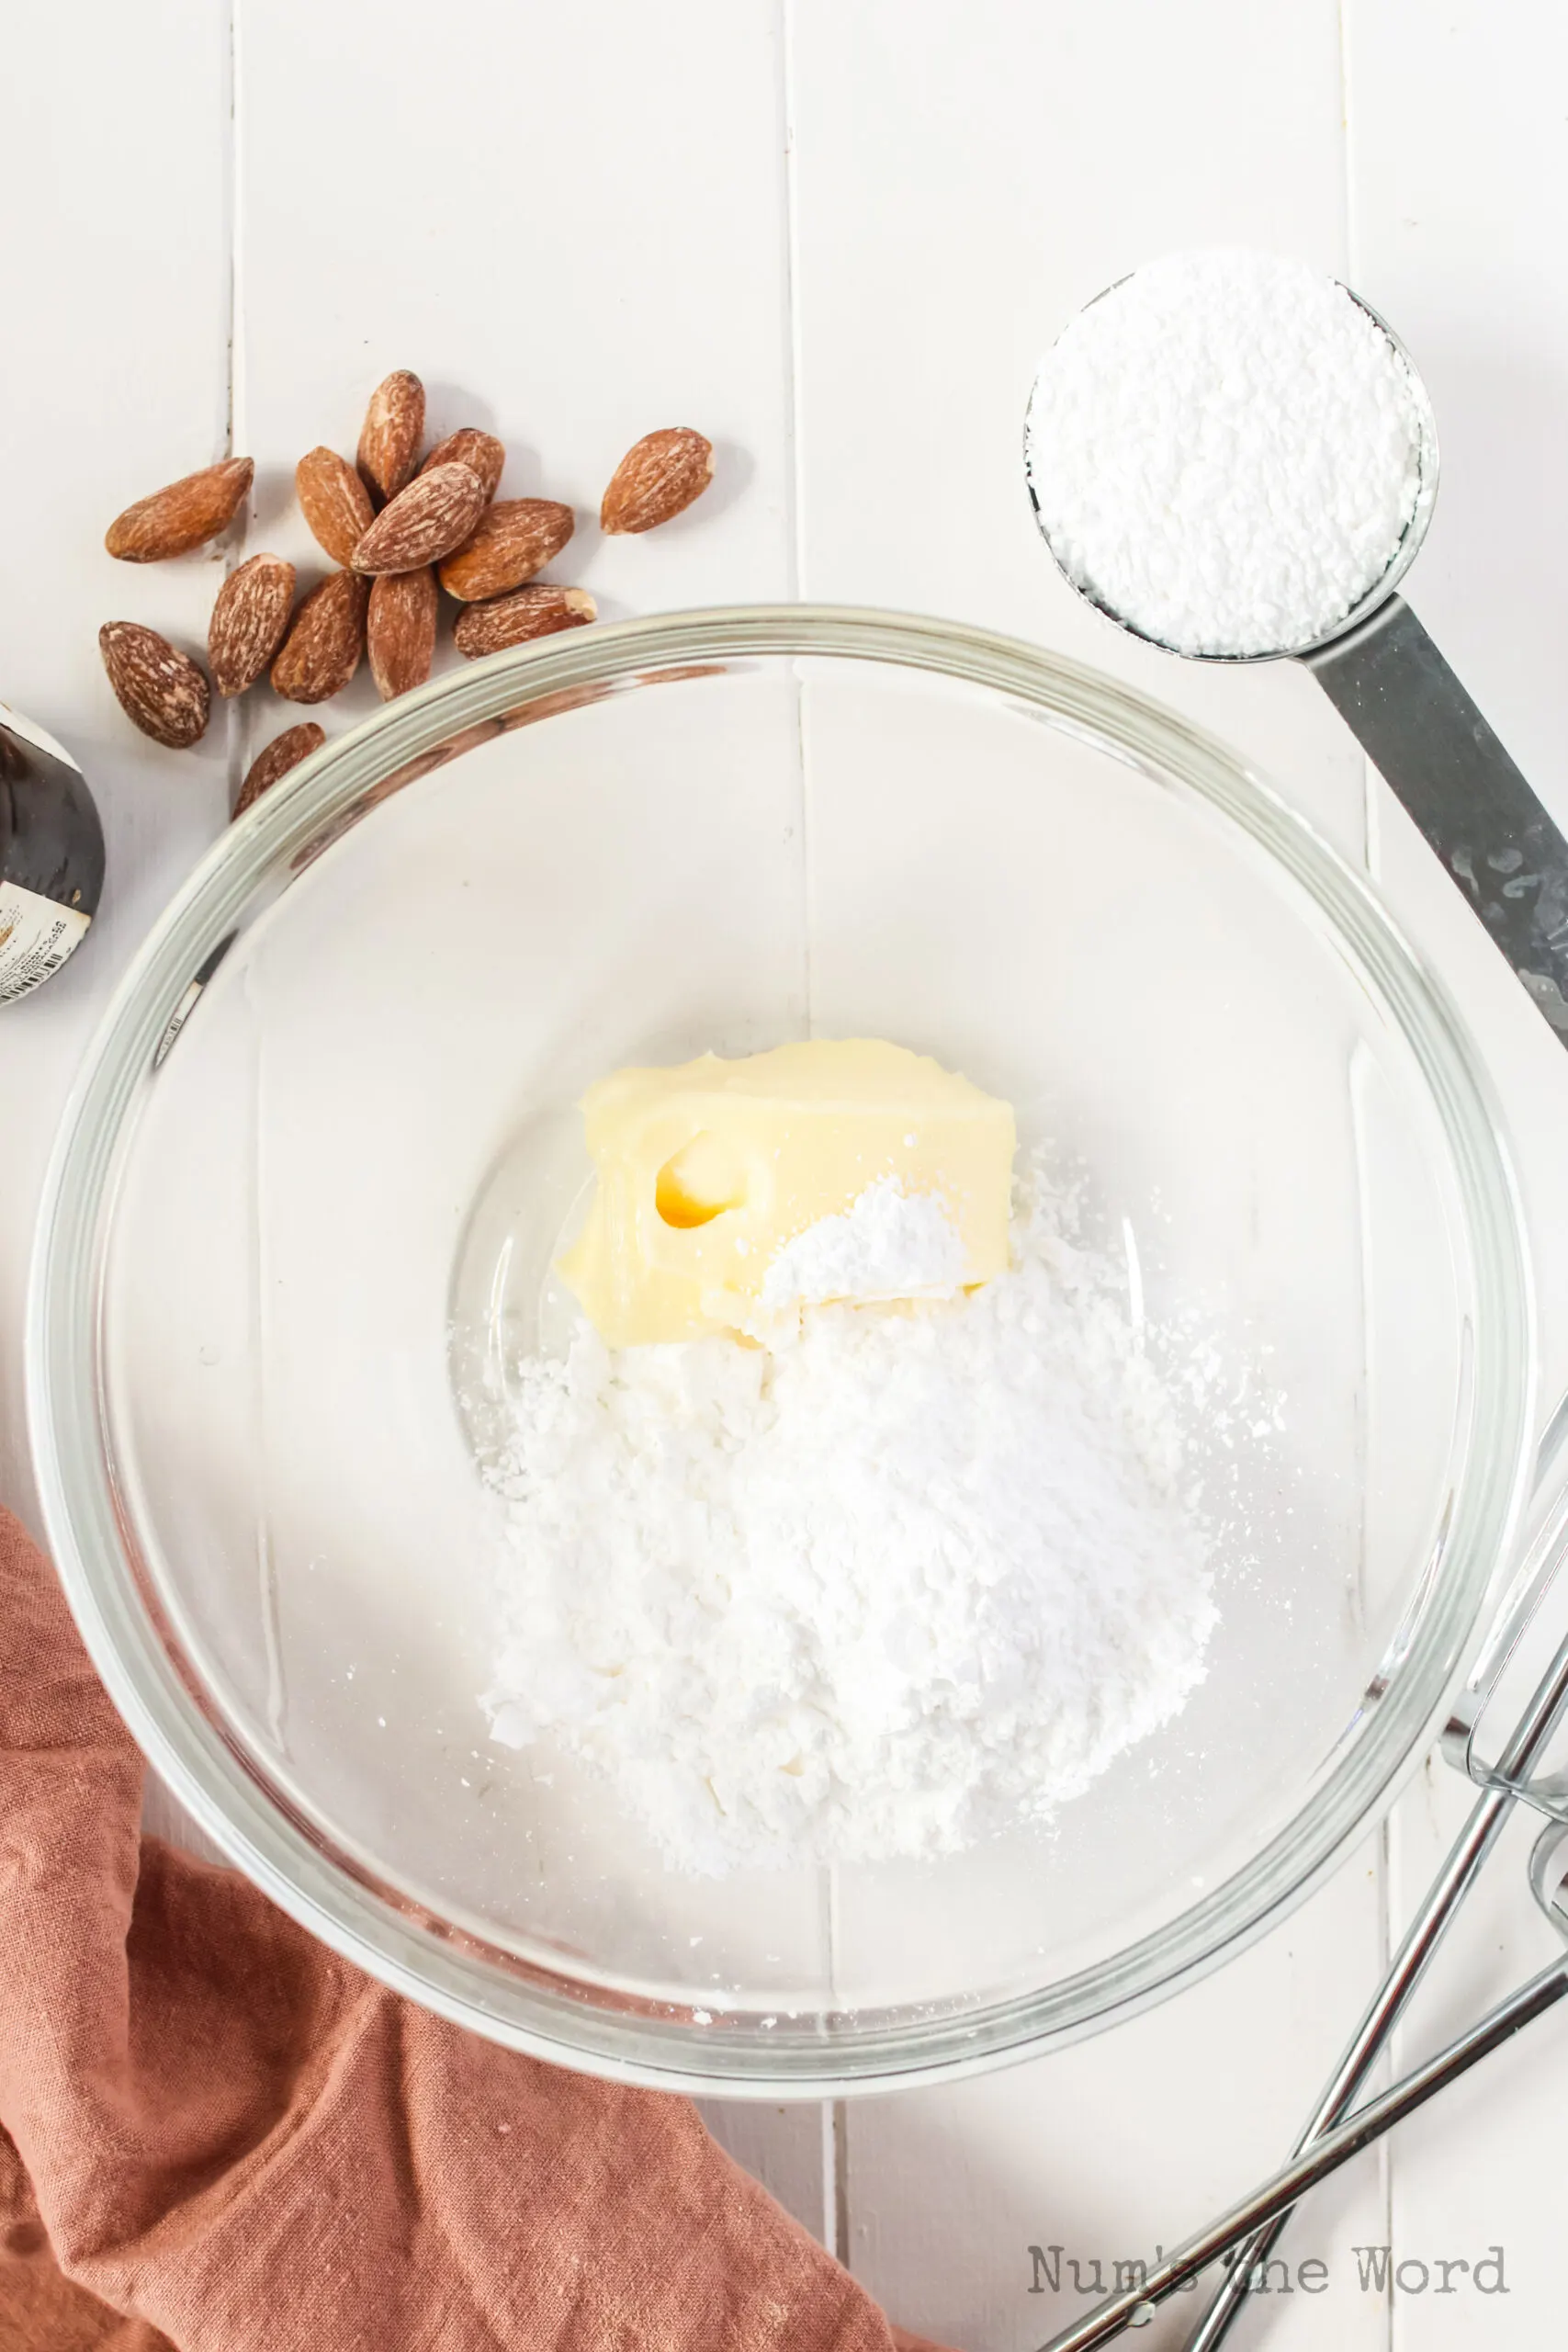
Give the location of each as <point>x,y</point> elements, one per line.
<point>248,622</point>
<point>285,752</point>
<point>514,540</point>
<point>334,503</point>
<point>162,692</point>
<point>321,650</point>
<point>400,632</point>
<point>394,427</point>
<point>657,479</point>
<point>424,522</point>
<point>482,452</point>
<point>536,611</point>
<point>182,517</point>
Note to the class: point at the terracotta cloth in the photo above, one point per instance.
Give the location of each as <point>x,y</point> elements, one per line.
<point>214,2124</point>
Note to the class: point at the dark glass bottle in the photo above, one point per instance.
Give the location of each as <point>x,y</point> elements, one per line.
<point>52,856</point>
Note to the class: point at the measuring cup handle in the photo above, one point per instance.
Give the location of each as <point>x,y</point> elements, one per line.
<point>1432,746</point>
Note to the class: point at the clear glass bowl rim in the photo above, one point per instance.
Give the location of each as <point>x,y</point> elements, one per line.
<point>545,2010</point>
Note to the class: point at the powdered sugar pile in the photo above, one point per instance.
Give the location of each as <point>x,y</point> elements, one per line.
<point>887,1244</point>
<point>922,1573</point>
<point>1226,451</point>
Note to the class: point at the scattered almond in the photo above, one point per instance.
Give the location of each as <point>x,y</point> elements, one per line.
<point>334,503</point>
<point>425,522</point>
<point>481,452</point>
<point>248,622</point>
<point>394,427</point>
<point>400,632</point>
<point>392,525</point>
<point>657,480</point>
<point>535,611</point>
<point>514,540</point>
<point>285,752</point>
<point>182,517</point>
<point>321,650</point>
<point>162,692</point>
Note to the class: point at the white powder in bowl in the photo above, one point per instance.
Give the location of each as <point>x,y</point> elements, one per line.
<point>887,1244</point>
<point>1225,452</point>
<point>921,1574</point>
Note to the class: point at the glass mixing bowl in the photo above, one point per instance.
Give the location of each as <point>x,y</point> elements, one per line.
<point>310,1181</point>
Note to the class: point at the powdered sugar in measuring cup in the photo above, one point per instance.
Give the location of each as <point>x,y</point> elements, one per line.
<point>1234,457</point>
<point>1227,452</point>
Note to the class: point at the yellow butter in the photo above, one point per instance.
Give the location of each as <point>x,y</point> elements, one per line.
<point>703,1172</point>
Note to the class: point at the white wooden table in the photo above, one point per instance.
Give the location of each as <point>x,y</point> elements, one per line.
<point>835,235</point>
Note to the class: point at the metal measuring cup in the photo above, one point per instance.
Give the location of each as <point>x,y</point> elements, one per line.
<point>1430,741</point>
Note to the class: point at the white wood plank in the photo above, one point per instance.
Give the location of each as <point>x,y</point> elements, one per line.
<point>1459,160</point>
<point>1458,177</point>
<point>114,290</point>
<point>963,181</point>
<point>1482,2170</point>
<point>581,243</point>
<point>1125,2142</point>
<point>789,2149</point>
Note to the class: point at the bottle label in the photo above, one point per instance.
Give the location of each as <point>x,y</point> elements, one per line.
<point>36,937</point>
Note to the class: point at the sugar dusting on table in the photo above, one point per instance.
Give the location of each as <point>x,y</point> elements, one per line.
<point>906,1578</point>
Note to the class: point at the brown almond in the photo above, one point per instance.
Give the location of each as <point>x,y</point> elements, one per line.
<point>400,632</point>
<point>334,503</point>
<point>394,427</point>
<point>657,480</point>
<point>513,539</point>
<point>538,610</point>
<point>284,752</point>
<point>321,650</point>
<point>182,517</point>
<point>425,522</point>
<point>481,452</point>
<point>162,692</point>
<point>249,621</point>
